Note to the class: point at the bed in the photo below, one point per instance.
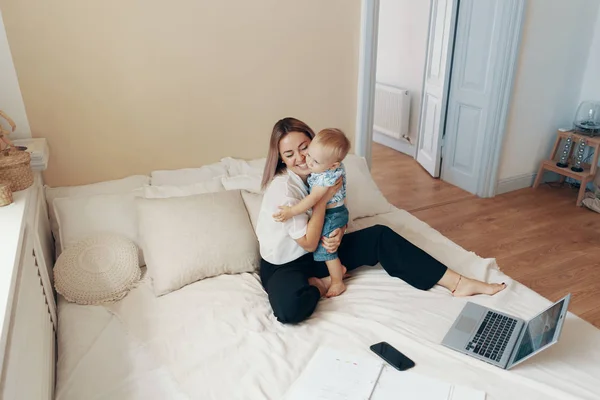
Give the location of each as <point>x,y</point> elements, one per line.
<point>217,338</point>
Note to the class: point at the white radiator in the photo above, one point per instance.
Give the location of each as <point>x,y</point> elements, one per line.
<point>392,110</point>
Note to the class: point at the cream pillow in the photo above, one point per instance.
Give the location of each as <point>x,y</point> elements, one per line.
<point>243,175</point>
<point>253,201</point>
<point>251,183</point>
<point>186,239</point>
<point>166,191</point>
<point>364,199</point>
<point>188,176</point>
<point>79,217</point>
<point>97,269</point>
<point>236,166</point>
<point>108,187</point>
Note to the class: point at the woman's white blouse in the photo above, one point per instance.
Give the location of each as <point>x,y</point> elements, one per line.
<point>278,239</point>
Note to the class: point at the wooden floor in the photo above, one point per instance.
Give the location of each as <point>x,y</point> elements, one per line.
<point>540,238</point>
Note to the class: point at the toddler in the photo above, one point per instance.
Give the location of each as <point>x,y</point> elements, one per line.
<point>324,159</point>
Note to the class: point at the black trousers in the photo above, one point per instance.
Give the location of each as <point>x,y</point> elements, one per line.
<point>293,299</point>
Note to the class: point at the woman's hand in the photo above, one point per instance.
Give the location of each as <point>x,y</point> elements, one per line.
<point>334,240</point>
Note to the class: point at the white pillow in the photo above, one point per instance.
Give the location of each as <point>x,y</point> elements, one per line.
<point>236,166</point>
<point>253,201</point>
<point>166,191</point>
<point>186,239</point>
<point>188,176</point>
<point>364,199</point>
<point>108,187</point>
<point>251,183</point>
<point>82,216</point>
<point>97,269</point>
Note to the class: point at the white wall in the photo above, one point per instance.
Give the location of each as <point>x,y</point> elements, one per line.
<point>590,88</point>
<point>402,48</point>
<point>557,35</point>
<point>11,101</point>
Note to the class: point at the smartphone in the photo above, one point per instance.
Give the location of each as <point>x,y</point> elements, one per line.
<point>392,356</point>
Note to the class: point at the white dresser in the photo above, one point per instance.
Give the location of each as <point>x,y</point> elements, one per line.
<point>27,303</point>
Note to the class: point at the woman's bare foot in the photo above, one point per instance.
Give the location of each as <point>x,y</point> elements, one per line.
<point>344,273</point>
<point>336,289</point>
<point>469,287</point>
<point>322,284</point>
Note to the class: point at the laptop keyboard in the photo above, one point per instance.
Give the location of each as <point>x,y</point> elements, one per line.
<point>492,336</point>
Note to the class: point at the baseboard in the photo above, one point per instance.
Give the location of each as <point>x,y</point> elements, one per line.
<point>398,145</point>
<point>522,181</point>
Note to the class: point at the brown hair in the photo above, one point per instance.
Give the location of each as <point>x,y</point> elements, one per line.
<point>335,141</point>
<point>274,165</point>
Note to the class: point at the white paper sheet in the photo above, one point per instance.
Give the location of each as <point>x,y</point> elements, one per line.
<point>335,375</point>
<point>394,384</point>
<point>408,385</point>
<point>465,393</point>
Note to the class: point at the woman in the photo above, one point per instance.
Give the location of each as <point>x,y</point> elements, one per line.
<point>292,279</point>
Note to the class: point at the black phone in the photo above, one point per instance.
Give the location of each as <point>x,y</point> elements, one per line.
<point>392,356</point>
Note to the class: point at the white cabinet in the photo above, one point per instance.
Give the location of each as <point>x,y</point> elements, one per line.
<point>28,319</point>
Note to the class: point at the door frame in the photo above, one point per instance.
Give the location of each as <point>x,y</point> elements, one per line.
<point>492,140</point>
<point>367,71</point>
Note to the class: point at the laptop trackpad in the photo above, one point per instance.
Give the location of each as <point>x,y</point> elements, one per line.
<point>466,324</point>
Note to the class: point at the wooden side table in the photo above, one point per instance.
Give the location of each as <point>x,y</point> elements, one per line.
<point>589,170</point>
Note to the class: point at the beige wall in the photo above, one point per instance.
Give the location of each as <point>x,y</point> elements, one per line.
<point>125,87</point>
<point>11,100</point>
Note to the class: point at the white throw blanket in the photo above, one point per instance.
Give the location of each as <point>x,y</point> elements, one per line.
<point>218,338</point>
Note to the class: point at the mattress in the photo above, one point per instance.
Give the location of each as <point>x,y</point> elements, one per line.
<point>218,338</point>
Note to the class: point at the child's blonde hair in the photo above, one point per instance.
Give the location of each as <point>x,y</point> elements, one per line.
<point>335,141</point>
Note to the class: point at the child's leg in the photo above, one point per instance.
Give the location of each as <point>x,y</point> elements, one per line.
<point>336,271</point>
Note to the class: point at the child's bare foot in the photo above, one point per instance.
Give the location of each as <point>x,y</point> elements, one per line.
<point>321,284</point>
<point>469,287</point>
<point>336,289</point>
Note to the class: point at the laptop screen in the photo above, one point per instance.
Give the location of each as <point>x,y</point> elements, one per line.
<point>540,331</point>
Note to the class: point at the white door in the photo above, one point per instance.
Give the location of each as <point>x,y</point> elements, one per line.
<point>435,88</point>
<point>474,94</point>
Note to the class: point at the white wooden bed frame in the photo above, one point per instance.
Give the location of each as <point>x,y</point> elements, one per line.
<point>28,341</point>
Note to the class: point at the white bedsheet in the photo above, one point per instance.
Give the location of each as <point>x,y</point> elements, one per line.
<point>218,338</point>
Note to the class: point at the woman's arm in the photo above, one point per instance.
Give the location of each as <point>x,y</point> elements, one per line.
<point>310,241</point>
<point>287,212</point>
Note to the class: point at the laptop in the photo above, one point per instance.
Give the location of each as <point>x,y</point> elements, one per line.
<point>501,339</point>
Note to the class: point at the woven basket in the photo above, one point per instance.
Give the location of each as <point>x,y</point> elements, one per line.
<point>4,142</point>
<point>5,194</point>
<point>15,168</point>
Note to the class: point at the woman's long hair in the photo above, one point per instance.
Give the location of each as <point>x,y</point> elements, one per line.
<point>274,164</point>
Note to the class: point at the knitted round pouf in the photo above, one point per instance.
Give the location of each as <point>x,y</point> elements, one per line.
<point>100,268</point>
